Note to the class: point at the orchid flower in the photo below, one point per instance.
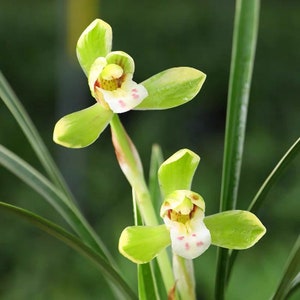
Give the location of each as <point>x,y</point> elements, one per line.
<point>186,228</point>
<point>110,79</point>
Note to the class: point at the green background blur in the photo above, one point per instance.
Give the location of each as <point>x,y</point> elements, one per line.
<point>37,56</point>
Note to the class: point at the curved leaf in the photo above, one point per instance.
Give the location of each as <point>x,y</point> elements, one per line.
<point>290,280</point>
<point>21,116</point>
<point>171,88</point>
<point>75,243</point>
<point>54,197</point>
<point>274,175</point>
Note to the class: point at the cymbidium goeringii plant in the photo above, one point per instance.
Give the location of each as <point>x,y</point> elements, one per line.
<point>110,79</point>
<point>186,228</point>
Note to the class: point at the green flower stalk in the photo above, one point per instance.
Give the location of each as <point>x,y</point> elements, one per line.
<point>110,79</point>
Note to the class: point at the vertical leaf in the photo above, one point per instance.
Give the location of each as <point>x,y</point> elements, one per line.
<point>156,161</point>
<point>291,274</point>
<point>242,60</point>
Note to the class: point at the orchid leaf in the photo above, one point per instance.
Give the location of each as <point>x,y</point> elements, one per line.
<point>154,189</point>
<point>290,280</point>
<point>141,244</point>
<point>235,229</point>
<point>116,281</point>
<point>95,41</point>
<point>177,172</point>
<point>171,88</point>
<point>18,111</point>
<point>82,128</point>
<point>54,197</point>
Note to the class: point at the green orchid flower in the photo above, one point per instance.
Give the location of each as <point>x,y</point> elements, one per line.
<point>186,228</point>
<point>110,78</point>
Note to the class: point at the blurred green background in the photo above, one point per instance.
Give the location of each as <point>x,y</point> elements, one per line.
<point>37,56</point>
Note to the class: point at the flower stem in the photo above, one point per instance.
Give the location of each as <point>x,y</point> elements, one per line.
<point>184,277</point>
<point>131,166</point>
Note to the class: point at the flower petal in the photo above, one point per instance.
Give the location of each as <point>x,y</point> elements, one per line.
<point>176,173</point>
<point>95,71</point>
<point>235,229</point>
<point>81,128</point>
<point>141,244</point>
<point>190,244</point>
<point>125,98</point>
<point>171,88</point>
<point>122,59</point>
<point>95,41</point>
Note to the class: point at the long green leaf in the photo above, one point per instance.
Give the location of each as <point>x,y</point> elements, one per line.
<point>154,189</point>
<point>16,108</point>
<point>260,196</point>
<point>54,197</point>
<point>242,60</point>
<point>75,243</point>
<point>274,175</point>
<point>291,274</point>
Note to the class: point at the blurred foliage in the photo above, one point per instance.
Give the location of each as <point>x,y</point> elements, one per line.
<point>158,34</point>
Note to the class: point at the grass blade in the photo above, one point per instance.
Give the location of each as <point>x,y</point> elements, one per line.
<point>242,60</point>
<point>16,108</point>
<point>75,243</point>
<point>54,197</point>
<point>291,275</point>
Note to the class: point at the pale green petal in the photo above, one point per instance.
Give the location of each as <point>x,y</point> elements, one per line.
<point>81,128</point>
<point>141,244</point>
<point>172,87</point>
<point>95,71</point>
<point>177,172</point>
<point>235,229</point>
<point>95,41</point>
<point>122,59</point>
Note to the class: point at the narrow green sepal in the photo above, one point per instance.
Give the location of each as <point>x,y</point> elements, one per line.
<point>177,172</point>
<point>81,128</point>
<point>171,88</point>
<point>141,244</point>
<point>235,229</point>
<point>94,42</point>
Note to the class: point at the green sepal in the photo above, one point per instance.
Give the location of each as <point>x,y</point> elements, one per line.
<point>94,42</point>
<point>176,173</point>
<point>82,128</point>
<point>235,229</point>
<point>141,244</point>
<point>171,88</point>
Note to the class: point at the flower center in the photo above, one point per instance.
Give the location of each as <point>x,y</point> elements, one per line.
<point>178,217</point>
<point>111,77</point>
